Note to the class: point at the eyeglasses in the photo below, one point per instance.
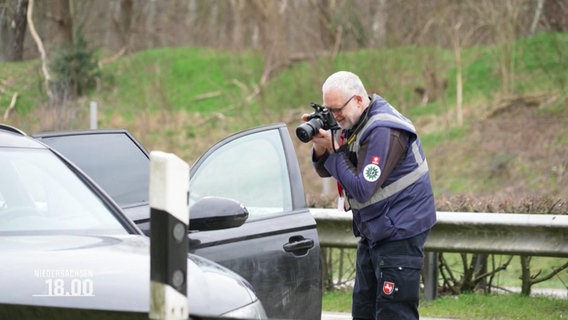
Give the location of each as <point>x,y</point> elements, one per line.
<point>338,110</point>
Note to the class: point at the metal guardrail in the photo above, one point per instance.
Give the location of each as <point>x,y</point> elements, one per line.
<point>499,233</point>
<point>502,233</point>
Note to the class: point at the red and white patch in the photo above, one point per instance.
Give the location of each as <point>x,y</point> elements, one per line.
<point>388,287</point>
<point>375,160</point>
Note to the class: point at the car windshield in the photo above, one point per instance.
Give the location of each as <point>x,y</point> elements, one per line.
<point>39,193</point>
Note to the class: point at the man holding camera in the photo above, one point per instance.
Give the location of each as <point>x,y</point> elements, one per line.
<point>382,174</point>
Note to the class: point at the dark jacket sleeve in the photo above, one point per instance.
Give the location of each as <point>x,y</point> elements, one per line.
<point>382,148</point>
<point>397,149</point>
<point>318,164</point>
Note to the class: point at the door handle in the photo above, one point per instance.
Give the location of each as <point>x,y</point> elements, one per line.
<point>298,245</point>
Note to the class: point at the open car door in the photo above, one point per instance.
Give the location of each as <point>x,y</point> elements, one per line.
<point>277,249</point>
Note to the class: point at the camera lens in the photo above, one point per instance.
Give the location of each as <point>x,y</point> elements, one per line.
<point>304,132</point>
<point>307,130</point>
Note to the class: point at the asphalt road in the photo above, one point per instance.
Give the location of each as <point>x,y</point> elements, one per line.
<point>346,316</point>
<point>335,316</point>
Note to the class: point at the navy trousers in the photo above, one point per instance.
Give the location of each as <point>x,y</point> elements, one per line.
<point>387,279</point>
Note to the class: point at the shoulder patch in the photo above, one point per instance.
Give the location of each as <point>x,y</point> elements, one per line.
<point>371,172</point>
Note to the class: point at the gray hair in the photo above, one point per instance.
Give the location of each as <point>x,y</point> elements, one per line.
<point>346,82</point>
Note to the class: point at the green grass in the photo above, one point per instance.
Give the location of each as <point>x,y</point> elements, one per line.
<point>23,78</point>
<point>471,306</point>
<point>205,80</point>
<point>510,306</point>
<point>544,58</point>
<point>337,300</point>
<point>194,80</point>
<point>430,140</point>
<point>178,79</point>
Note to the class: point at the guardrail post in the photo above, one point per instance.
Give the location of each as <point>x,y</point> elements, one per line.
<point>430,275</point>
<point>169,219</point>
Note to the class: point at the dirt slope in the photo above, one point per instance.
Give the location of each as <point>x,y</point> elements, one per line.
<point>518,150</point>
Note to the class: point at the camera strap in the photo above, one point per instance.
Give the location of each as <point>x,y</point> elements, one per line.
<point>341,203</point>
<point>360,124</point>
<point>341,139</point>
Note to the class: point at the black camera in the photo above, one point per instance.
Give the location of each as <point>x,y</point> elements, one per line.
<point>320,118</point>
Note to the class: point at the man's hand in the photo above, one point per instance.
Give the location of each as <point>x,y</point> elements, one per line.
<point>322,142</point>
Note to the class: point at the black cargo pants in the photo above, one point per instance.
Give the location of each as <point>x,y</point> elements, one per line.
<point>387,280</point>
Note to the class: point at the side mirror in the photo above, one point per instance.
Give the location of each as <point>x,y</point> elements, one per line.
<point>216,213</point>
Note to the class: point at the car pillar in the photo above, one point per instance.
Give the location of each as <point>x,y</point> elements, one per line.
<point>169,218</point>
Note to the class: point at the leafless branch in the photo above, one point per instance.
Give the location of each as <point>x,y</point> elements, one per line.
<point>552,273</point>
<point>494,271</point>
<point>112,58</point>
<point>11,106</point>
<point>40,48</point>
<point>537,15</point>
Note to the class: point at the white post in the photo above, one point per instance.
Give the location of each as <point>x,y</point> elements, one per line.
<point>169,219</point>
<point>93,115</point>
<point>326,186</point>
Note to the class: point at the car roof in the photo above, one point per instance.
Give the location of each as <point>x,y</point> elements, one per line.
<point>12,137</point>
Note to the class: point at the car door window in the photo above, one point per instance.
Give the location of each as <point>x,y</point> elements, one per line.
<point>251,169</point>
<point>112,159</point>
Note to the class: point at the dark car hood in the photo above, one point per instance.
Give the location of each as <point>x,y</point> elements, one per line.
<point>111,273</point>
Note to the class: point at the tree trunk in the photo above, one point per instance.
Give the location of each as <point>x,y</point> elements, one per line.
<point>467,284</point>
<point>59,24</point>
<point>237,22</point>
<point>479,270</point>
<point>459,81</point>
<point>526,275</point>
<point>325,17</point>
<point>41,49</point>
<point>537,14</point>
<point>126,15</point>
<point>14,31</point>
<point>556,15</point>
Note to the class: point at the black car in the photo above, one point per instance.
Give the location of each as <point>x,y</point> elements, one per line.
<point>65,245</point>
<point>276,249</point>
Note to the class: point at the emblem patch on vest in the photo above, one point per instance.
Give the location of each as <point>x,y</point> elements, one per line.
<point>388,287</point>
<point>371,172</point>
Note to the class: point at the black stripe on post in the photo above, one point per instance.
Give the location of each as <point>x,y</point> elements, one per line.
<point>170,249</point>
<point>169,218</point>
